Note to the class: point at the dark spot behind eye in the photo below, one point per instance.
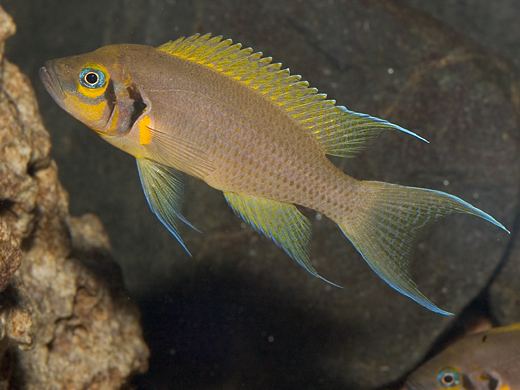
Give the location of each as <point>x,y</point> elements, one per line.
<point>138,103</point>
<point>110,96</point>
<point>484,338</point>
<point>493,383</point>
<point>467,383</point>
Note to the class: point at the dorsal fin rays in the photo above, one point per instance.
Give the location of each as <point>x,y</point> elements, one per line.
<point>354,133</point>
<point>386,124</point>
<point>281,222</point>
<point>339,131</point>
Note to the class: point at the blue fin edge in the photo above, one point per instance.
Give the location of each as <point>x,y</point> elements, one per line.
<point>161,219</point>
<point>267,235</point>
<point>474,210</point>
<point>424,303</point>
<point>384,122</point>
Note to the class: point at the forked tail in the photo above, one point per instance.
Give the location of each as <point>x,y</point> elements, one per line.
<point>384,227</point>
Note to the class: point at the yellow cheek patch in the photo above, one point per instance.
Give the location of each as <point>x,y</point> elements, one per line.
<point>92,93</point>
<point>145,134</point>
<point>89,112</point>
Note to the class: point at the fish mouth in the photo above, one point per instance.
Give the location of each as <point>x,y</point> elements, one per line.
<point>51,83</point>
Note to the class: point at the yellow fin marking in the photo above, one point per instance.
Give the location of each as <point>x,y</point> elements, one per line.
<point>145,134</point>
<point>281,222</point>
<point>340,132</point>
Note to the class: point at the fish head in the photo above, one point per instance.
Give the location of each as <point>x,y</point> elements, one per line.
<point>430,377</point>
<point>438,375</point>
<point>97,88</point>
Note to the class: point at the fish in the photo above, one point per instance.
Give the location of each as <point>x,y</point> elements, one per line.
<point>206,107</point>
<point>488,360</point>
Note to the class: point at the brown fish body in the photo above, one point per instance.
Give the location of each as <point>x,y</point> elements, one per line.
<point>242,139</point>
<point>232,118</point>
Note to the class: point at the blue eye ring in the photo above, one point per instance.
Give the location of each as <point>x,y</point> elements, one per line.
<point>448,377</point>
<point>92,78</point>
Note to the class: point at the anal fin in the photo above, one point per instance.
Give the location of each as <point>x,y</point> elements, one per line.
<point>281,222</point>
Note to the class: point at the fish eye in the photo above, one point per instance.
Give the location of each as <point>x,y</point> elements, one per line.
<point>92,78</point>
<point>448,377</point>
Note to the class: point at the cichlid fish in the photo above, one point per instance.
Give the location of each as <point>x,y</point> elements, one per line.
<point>487,360</point>
<point>234,119</point>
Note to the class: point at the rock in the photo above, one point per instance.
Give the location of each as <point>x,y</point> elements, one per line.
<point>10,255</point>
<point>493,25</point>
<point>242,314</point>
<point>66,322</point>
<point>504,293</point>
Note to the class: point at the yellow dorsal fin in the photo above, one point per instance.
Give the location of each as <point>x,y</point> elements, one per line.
<point>340,132</point>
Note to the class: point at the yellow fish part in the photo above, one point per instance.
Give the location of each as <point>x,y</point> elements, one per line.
<point>481,361</point>
<point>231,117</point>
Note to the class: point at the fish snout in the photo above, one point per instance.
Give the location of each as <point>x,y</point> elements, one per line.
<point>51,82</point>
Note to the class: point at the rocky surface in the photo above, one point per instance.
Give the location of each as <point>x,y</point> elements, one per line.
<point>493,25</point>
<point>66,322</point>
<point>504,294</point>
<point>242,313</point>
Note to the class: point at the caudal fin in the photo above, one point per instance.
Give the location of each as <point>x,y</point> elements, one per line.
<point>384,227</point>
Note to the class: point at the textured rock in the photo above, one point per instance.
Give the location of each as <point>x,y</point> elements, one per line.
<point>66,321</point>
<point>491,24</point>
<point>10,255</point>
<point>242,313</point>
<point>504,293</point>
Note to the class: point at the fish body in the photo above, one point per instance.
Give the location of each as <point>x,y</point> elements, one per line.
<point>230,117</point>
<point>488,360</point>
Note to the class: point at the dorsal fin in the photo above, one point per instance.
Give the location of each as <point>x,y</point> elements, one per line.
<point>339,131</point>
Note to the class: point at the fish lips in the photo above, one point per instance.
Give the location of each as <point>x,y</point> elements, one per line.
<point>52,84</point>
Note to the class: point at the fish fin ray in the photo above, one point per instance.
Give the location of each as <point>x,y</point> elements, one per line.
<point>281,222</point>
<point>383,230</point>
<point>339,131</point>
<point>181,152</point>
<point>163,190</point>
<point>351,132</point>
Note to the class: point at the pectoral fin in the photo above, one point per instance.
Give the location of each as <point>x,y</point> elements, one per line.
<point>163,189</point>
<point>281,222</point>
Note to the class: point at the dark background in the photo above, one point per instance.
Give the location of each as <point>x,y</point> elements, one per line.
<point>239,313</point>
